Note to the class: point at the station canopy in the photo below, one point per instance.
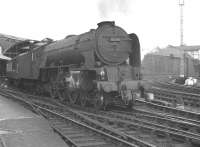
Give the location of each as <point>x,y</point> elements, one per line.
<point>12,46</point>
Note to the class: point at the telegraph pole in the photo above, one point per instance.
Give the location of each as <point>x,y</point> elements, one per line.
<point>181,4</point>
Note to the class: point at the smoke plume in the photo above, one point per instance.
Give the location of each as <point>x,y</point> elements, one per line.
<point>108,7</point>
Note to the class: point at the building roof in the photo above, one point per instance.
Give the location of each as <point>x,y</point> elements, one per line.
<point>2,57</point>
<point>12,46</point>
<point>168,51</point>
<point>190,48</point>
<point>176,51</point>
<point>7,41</point>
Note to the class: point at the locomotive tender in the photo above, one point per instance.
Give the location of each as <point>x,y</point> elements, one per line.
<point>99,67</point>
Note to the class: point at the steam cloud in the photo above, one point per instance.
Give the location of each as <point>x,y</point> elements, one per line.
<point>107,7</point>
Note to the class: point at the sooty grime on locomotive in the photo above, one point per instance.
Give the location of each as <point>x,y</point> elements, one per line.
<point>99,67</point>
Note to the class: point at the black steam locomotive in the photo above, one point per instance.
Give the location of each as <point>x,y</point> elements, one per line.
<point>99,67</point>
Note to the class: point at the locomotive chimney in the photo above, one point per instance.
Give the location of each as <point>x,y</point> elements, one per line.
<point>103,23</point>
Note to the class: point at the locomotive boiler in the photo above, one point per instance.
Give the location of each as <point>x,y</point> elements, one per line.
<point>99,67</point>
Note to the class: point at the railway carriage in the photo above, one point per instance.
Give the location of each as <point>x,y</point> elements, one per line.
<point>99,67</point>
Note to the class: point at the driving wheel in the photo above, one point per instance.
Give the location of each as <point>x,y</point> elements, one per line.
<point>84,99</point>
<point>73,97</point>
<point>99,101</point>
<point>53,90</point>
<point>63,94</point>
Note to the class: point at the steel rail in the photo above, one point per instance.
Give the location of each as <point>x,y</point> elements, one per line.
<point>169,85</point>
<point>138,123</point>
<point>130,141</point>
<point>190,99</point>
<point>168,132</point>
<point>168,123</point>
<point>161,119</point>
<point>192,116</point>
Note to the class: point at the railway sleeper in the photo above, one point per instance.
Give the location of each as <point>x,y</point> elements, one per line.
<point>147,129</point>
<point>179,112</point>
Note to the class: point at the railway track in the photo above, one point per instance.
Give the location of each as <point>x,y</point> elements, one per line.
<point>177,87</point>
<point>154,123</point>
<point>181,114</point>
<point>141,105</point>
<point>59,117</point>
<point>158,119</point>
<point>188,99</point>
<point>153,133</point>
<point>174,96</point>
<point>80,134</point>
<point>151,129</point>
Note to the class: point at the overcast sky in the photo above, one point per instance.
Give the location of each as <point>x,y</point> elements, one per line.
<point>156,22</point>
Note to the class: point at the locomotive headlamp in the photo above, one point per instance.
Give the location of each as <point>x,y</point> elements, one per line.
<point>103,74</point>
<point>101,98</point>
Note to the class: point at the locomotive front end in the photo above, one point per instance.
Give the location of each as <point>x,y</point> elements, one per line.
<point>119,75</point>
<point>113,45</point>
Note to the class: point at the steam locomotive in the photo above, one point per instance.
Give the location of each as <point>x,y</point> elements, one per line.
<point>99,67</point>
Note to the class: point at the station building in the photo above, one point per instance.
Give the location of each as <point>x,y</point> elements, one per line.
<point>172,61</point>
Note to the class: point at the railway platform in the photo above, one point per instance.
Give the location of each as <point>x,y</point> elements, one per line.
<point>19,127</point>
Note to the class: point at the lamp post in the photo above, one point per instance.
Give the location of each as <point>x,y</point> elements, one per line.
<point>181,4</point>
